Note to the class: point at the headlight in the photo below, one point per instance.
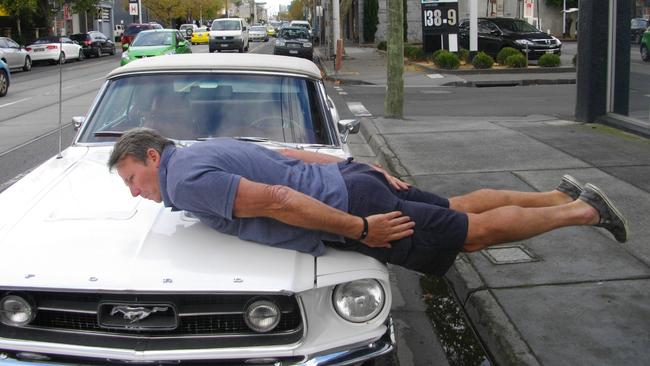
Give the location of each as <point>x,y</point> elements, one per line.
<point>262,316</point>
<point>307,44</point>
<point>279,43</point>
<point>557,41</point>
<point>524,42</point>
<point>16,311</point>
<point>359,301</point>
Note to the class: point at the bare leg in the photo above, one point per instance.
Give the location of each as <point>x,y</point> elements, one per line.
<point>484,200</point>
<point>512,223</point>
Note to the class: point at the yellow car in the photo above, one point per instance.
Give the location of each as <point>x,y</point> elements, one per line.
<point>200,35</point>
<point>270,30</point>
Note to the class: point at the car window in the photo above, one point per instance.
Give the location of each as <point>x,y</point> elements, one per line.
<point>195,106</point>
<point>12,43</point>
<point>45,40</point>
<point>226,25</point>
<point>516,25</point>
<point>3,43</point>
<point>294,33</point>
<point>153,39</point>
<point>179,38</point>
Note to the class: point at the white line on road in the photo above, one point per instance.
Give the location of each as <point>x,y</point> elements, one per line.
<point>435,92</point>
<point>435,76</point>
<point>343,93</point>
<point>18,101</point>
<point>358,109</point>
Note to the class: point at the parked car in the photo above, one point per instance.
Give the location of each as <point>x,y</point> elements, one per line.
<point>228,34</point>
<point>302,23</point>
<point>94,43</point>
<point>55,50</point>
<point>14,55</point>
<point>147,285</point>
<point>156,42</point>
<point>645,46</point>
<point>201,36</point>
<point>496,33</point>
<point>188,29</point>
<point>294,41</point>
<point>271,30</point>
<point>637,28</point>
<point>5,78</point>
<point>133,29</point>
<point>258,33</point>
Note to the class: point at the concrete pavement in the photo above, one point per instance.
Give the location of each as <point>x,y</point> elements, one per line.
<point>570,297</point>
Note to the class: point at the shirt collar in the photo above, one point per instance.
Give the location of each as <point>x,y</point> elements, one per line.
<point>168,152</point>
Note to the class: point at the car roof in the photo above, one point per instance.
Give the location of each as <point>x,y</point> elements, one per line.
<point>299,22</point>
<point>220,62</point>
<point>159,30</point>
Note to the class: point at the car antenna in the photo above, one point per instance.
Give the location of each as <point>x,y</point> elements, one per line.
<point>59,156</point>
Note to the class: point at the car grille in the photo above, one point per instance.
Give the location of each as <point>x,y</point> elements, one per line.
<point>544,42</point>
<point>190,316</point>
<point>294,45</point>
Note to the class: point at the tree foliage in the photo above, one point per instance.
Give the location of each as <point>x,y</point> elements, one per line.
<point>20,9</point>
<point>297,9</point>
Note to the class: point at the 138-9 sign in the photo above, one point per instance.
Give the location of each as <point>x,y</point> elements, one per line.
<point>438,18</point>
<point>434,18</point>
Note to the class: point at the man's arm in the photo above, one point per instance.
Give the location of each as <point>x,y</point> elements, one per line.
<point>294,208</point>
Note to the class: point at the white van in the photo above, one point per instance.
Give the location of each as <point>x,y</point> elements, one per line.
<point>228,34</point>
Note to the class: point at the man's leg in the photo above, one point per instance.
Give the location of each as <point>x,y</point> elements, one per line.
<point>484,200</point>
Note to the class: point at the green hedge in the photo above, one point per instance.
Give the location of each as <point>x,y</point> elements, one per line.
<point>516,61</point>
<point>414,53</point>
<point>446,60</point>
<point>482,61</point>
<point>381,45</point>
<point>549,60</point>
<point>370,19</point>
<point>463,55</point>
<point>505,53</point>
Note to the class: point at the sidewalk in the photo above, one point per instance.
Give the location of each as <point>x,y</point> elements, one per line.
<point>570,297</point>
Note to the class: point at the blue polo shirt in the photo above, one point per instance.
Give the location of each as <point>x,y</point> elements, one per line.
<point>203,179</point>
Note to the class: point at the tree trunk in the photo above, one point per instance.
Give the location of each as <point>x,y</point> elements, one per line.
<point>20,32</point>
<point>394,102</point>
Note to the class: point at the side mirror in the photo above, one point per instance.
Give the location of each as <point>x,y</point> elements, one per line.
<point>78,121</point>
<point>347,127</point>
<point>125,47</point>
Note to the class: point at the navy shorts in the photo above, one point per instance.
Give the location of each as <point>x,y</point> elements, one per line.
<point>439,232</point>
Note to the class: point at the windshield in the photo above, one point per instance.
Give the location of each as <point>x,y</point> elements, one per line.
<point>197,106</point>
<point>258,29</point>
<point>226,25</point>
<point>154,39</point>
<point>302,25</point>
<point>294,33</point>
<point>515,26</point>
<point>45,40</point>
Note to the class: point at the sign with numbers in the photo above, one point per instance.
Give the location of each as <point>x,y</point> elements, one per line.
<point>440,17</point>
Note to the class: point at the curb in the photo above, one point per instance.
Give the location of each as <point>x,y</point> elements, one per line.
<point>499,335</point>
<point>522,82</point>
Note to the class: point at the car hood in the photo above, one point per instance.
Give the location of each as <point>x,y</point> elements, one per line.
<point>72,224</point>
<point>527,35</point>
<point>149,50</point>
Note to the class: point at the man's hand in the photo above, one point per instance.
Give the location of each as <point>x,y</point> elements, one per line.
<point>395,182</point>
<point>384,228</point>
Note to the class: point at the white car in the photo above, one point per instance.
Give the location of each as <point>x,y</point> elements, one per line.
<point>91,274</point>
<point>228,34</point>
<point>14,55</point>
<point>258,33</point>
<point>54,50</point>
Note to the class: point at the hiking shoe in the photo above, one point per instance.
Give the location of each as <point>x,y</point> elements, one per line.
<point>570,186</point>
<point>611,218</point>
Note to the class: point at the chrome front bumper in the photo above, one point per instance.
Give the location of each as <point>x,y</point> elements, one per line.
<point>347,356</point>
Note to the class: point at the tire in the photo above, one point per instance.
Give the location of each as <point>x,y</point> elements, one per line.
<point>4,83</point>
<point>644,54</point>
<point>241,49</point>
<point>81,55</point>
<point>62,58</point>
<point>28,64</point>
<point>99,52</point>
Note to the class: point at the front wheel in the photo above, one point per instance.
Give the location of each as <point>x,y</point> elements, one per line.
<point>28,64</point>
<point>62,58</point>
<point>81,55</point>
<point>4,83</point>
<point>644,53</point>
<point>99,53</point>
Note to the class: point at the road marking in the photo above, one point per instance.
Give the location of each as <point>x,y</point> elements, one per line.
<point>358,109</point>
<point>435,92</point>
<point>647,95</point>
<point>18,101</point>
<point>435,76</point>
<point>343,93</point>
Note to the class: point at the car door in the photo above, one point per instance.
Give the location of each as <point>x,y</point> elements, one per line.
<point>70,49</point>
<point>12,53</point>
<point>489,37</point>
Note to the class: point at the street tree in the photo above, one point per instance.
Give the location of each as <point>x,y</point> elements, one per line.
<point>296,9</point>
<point>394,102</point>
<point>85,6</point>
<point>20,10</point>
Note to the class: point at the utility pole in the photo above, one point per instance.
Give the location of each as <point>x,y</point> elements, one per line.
<point>394,102</point>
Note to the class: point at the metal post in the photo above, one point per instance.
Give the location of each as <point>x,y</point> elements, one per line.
<point>473,26</point>
<point>139,11</point>
<point>564,18</point>
<point>59,156</point>
<point>335,22</point>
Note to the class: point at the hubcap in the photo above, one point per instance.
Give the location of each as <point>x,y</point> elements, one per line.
<point>3,82</point>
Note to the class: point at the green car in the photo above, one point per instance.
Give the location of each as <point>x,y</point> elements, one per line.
<point>155,42</point>
<point>645,46</point>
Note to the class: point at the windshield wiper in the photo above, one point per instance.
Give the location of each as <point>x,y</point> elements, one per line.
<point>108,133</point>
